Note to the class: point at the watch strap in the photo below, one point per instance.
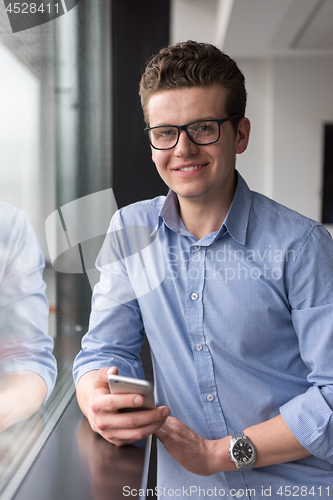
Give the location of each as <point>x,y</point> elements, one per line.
<point>238,435</point>
<point>234,438</point>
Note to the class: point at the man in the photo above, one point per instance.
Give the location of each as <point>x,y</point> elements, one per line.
<point>240,328</point>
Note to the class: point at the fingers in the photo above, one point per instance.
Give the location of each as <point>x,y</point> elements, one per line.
<point>106,403</point>
<point>110,418</point>
<point>127,428</point>
<point>112,402</point>
<point>133,420</point>
<point>165,432</point>
<point>161,434</point>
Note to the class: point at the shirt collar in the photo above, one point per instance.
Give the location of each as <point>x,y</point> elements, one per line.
<point>169,213</point>
<point>237,218</point>
<point>235,223</point>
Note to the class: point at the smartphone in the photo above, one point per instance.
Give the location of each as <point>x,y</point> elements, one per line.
<point>127,385</point>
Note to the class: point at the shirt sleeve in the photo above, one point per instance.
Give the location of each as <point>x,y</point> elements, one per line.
<point>24,340</point>
<point>116,331</point>
<point>310,415</point>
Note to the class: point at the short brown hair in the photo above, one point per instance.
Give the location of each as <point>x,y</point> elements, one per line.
<point>193,64</point>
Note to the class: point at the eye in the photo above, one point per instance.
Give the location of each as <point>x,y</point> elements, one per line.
<point>202,128</point>
<point>206,128</point>
<point>165,132</point>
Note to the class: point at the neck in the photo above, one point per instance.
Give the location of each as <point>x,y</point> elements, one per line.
<point>202,217</point>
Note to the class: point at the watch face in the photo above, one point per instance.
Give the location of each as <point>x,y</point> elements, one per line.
<point>243,452</point>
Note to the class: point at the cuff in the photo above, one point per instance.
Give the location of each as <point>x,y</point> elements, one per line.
<point>310,419</point>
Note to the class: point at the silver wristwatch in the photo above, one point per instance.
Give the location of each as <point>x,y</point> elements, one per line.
<point>242,451</point>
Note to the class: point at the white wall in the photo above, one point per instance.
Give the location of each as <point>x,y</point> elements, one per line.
<point>290,99</point>
<point>255,163</point>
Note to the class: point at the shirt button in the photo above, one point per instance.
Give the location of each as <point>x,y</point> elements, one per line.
<point>197,247</point>
<point>198,347</point>
<point>194,296</point>
<point>239,494</point>
<point>210,397</point>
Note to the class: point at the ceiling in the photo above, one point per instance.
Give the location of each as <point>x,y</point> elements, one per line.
<point>242,28</point>
<point>256,28</point>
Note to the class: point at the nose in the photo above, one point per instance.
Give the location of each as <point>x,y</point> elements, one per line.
<point>185,146</point>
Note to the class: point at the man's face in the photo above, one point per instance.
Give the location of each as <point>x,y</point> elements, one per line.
<point>199,173</point>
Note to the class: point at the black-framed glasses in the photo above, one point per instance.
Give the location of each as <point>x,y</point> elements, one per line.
<point>201,132</point>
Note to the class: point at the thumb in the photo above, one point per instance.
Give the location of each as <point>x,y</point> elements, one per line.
<point>104,372</point>
<point>113,370</point>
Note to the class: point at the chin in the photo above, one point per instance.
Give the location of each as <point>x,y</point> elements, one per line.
<point>194,195</point>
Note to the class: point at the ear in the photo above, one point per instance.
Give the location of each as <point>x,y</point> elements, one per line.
<point>242,136</point>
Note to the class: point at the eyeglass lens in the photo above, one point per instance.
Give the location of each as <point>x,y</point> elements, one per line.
<point>200,132</point>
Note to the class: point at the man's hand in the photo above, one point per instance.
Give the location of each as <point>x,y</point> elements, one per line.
<point>274,442</point>
<point>196,454</point>
<point>102,410</point>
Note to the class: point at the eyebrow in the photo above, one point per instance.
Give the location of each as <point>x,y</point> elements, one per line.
<point>192,121</point>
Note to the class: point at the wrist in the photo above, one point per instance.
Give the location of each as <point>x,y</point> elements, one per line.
<point>220,460</point>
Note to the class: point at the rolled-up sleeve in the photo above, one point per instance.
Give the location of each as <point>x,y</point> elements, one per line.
<point>24,340</point>
<point>310,415</point>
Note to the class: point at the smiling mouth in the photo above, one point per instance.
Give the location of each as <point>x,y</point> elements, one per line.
<point>187,169</point>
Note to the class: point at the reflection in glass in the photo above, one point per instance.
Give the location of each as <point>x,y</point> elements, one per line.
<point>54,149</point>
<point>27,170</point>
<point>27,367</point>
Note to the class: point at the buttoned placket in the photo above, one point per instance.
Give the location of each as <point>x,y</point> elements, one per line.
<point>201,353</point>
<point>195,289</point>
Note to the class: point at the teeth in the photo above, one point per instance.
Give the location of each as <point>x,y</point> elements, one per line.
<point>186,169</point>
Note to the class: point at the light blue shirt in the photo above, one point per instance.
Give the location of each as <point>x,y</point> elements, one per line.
<point>240,325</point>
<point>24,310</point>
